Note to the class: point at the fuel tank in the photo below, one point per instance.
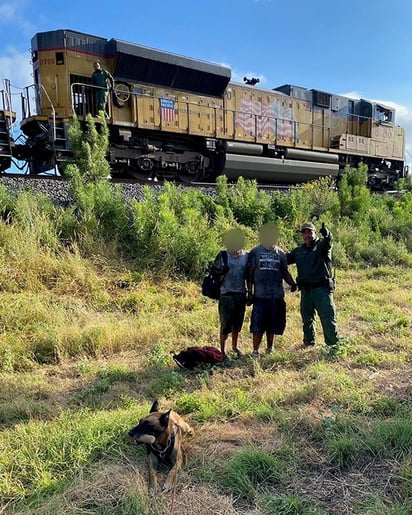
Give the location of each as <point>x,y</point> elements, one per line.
<point>276,171</point>
<point>309,155</point>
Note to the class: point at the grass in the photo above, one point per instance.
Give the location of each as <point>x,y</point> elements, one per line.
<point>85,348</point>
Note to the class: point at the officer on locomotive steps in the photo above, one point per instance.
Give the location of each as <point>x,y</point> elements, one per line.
<point>313,261</point>
<point>103,81</point>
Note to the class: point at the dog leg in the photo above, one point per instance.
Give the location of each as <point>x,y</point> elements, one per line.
<point>171,478</point>
<point>153,463</point>
<point>184,426</point>
<point>178,420</point>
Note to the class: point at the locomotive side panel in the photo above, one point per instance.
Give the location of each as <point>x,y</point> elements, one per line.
<point>303,115</point>
<point>259,116</point>
<point>399,143</point>
<point>175,111</point>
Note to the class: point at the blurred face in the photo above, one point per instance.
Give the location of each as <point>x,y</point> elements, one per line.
<point>234,240</point>
<point>96,66</point>
<point>268,236</point>
<point>308,236</point>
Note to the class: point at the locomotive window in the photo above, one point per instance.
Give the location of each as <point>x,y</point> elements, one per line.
<point>383,114</point>
<point>59,58</point>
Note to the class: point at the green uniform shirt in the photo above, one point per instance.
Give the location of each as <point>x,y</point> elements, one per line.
<point>313,263</point>
<point>100,78</point>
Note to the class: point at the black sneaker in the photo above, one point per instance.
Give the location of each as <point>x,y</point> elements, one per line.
<point>237,352</point>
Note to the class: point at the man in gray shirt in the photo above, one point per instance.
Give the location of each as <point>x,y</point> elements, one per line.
<point>267,268</point>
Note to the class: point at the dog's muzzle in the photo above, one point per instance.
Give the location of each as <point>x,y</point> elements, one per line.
<point>149,439</point>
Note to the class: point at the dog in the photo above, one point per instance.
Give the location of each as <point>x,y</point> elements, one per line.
<point>162,434</point>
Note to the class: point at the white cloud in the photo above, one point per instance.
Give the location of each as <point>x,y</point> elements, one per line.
<point>11,13</point>
<point>16,66</point>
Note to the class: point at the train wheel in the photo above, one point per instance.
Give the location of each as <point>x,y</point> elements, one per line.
<point>190,172</point>
<point>142,169</point>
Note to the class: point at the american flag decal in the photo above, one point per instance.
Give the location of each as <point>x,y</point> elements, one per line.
<point>258,118</point>
<point>167,109</point>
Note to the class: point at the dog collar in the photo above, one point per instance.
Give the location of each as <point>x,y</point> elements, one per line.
<point>170,442</point>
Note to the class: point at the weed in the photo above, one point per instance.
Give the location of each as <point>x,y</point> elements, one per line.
<point>286,505</point>
<point>251,469</point>
<point>158,356</point>
<point>405,476</point>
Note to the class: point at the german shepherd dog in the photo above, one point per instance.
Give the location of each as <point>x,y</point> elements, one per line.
<point>162,434</point>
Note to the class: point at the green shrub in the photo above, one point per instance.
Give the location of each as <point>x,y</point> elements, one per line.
<point>248,205</point>
<point>172,231</point>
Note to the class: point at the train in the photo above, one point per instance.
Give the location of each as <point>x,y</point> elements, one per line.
<point>178,118</point>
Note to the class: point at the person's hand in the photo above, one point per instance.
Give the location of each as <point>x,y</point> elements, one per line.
<point>294,287</point>
<point>324,232</point>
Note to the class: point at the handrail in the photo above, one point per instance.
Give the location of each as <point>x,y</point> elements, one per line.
<point>36,88</point>
<point>275,121</point>
<point>7,102</point>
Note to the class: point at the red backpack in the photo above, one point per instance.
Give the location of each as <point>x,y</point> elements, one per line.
<point>198,356</point>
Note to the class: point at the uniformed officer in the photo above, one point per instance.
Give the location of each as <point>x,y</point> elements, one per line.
<point>313,261</point>
<point>103,80</point>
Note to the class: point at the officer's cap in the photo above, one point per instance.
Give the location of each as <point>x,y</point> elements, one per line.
<point>307,225</point>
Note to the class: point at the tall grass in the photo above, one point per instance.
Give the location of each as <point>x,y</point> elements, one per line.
<point>93,299</point>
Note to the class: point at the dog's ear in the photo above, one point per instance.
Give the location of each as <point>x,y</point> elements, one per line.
<point>164,419</point>
<point>155,407</point>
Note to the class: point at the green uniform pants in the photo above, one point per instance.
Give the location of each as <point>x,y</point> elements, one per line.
<point>101,100</point>
<point>318,300</point>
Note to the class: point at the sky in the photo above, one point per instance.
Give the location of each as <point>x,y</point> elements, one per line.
<point>357,48</point>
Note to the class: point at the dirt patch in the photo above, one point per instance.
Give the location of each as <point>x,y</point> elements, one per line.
<point>394,383</point>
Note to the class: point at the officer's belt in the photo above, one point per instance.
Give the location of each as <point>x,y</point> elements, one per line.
<point>308,286</point>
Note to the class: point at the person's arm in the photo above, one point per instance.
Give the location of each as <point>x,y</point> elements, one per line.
<point>250,275</point>
<point>218,267</point>
<point>289,280</point>
<point>250,279</point>
<point>286,274</point>
<point>290,258</point>
<point>111,81</point>
<point>327,240</point>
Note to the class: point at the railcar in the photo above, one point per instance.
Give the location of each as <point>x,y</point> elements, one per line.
<point>183,119</point>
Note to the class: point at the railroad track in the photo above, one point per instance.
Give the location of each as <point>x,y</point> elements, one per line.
<point>146,182</point>
<point>158,183</point>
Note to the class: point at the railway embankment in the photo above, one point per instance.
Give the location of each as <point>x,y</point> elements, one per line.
<point>58,190</point>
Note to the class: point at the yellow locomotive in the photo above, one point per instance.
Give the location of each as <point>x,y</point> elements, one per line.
<point>179,118</point>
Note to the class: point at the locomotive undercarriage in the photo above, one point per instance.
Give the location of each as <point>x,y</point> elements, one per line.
<point>147,155</point>
<point>150,157</point>
<point>382,174</point>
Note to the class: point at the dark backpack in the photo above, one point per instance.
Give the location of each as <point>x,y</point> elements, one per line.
<point>198,356</point>
<point>212,282</point>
